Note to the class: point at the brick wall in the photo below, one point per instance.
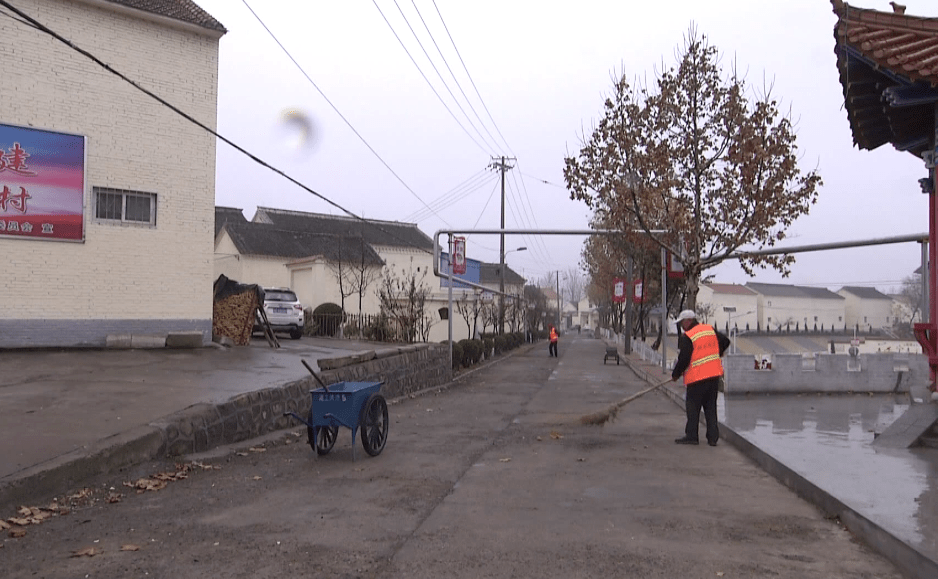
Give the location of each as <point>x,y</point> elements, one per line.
<point>120,272</point>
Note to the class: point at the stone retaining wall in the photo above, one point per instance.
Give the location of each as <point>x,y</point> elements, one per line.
<point>829,373</point>
<point>403,370</point>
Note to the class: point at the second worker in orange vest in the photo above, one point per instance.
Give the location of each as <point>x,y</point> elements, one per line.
<point>699,350</point>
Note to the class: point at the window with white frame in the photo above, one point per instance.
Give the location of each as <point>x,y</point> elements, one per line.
<point>124,206</point>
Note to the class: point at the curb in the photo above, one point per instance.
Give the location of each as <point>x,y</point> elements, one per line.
<point>904,556</point>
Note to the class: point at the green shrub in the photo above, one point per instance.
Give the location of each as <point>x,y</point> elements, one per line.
<point>501,344</point>
<point>471,351</point>
<point>488,344</point>
<point>327,318</point>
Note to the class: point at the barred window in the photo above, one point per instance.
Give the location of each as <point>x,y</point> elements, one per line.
<point>124,206</point>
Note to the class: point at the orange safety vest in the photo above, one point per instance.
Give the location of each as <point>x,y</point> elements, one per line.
<point>705,357</point>
<point>553,335</point>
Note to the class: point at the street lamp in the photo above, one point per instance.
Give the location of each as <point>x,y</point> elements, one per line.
<point>501,288</point>
<point>734,333</point>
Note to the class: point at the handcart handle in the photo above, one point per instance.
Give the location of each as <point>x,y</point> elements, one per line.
<point>324,387</point>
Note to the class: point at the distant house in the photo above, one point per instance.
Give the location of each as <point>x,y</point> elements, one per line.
<point>782,306</point>
<point>728,305</point>
<point>867,307</point>
<point>308,252</point>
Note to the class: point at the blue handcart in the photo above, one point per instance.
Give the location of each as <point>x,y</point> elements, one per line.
<point>353,405</point>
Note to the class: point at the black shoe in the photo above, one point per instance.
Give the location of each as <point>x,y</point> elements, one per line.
<point>685,440</point>
<point>714,443</point>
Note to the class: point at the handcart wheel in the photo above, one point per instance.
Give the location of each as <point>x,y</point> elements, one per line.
<point>374,424</point>
<point>321,438</point>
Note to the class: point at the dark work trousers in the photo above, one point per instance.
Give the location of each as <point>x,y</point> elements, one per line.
<point>702,394</point>
<point>552,349</point>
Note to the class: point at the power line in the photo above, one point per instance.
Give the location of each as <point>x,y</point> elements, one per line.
<point>453,42</point>
<point>454,196</point>
<point>45,30</point>
<point>394,32</point>
<point>334,108</point>
<point>458,85</point>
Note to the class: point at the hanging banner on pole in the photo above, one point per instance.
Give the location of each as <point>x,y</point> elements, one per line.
<point>675,267</point>
<point>618,290</point>
<point>637,295</point>
<point>459,255</point>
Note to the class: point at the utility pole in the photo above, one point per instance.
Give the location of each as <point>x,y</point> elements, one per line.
<point>558,302</point>
<point>501,163</point>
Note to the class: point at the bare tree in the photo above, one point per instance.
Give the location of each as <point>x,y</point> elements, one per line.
<point>470,308</point>
<point>340,262</point>
<point>573,285</point>
<point>696,158</point>
<point>912,292</point>
<point>403,300</point>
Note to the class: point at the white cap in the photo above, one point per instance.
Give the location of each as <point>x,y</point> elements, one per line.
<point>686,315</point>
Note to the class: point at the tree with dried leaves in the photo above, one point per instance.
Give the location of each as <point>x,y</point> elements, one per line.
<point>695,164</point>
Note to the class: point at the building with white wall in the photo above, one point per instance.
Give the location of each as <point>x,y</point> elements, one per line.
<point>109,227</point>
<point>867,307</point>
<point>727,306</point>
<point>791,306</point>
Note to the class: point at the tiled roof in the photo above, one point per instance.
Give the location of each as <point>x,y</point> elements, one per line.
<point>729,288</point>
<point>182,10</point>
<point>866,293</point>
<point>793,291</point>
<point>389,233</point>
<point>888,64</point>
<point>270,240</point>
<point>488,273</point>
<point>225,215</point>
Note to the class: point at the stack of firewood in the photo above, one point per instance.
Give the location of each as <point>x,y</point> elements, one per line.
<point>233,316</point>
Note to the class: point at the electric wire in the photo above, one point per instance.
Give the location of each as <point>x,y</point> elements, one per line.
<point>335,108</point>
<point>531,218</point>
<point>437,71</point>
<point>453,42</point>
<point>436,201</point>
<point>394,32</point>
<point>452,74</point>
<point>46,30</point>
<point>453,197</point>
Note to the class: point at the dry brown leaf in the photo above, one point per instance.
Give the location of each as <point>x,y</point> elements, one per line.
<point>506,459</point>
<point>25,511</point>
<point>129,547</point>
<point>114,497</point>
<point>82,494</point>
<point>539,439</point>
<point>17,532</point>
<point>555,435</point>
<point>257,478</point>
<point>241,453</point>
<point>19,521</point>
<point>86,552</point>
<point>4,525</point>
<point>257,449</point>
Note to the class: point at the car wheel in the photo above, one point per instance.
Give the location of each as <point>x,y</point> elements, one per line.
<point>296,334</point>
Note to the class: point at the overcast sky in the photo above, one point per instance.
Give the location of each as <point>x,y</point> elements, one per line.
<point>542,69</point>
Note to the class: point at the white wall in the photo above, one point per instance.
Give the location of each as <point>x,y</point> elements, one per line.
<point>134,143</point>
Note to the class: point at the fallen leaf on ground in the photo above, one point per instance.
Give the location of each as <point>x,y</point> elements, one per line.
<point>241,453</point>
<point>114,497</point>
<point>257,478</point>
<point>130,547</point>
<point>25,511</point>
<point>17,532</point>
<point>581,460</point>
<point>82,494</point>
<point>86,552</point>
<point>539,439</point>
<point>504,460</point>
<point>257,449</point>
<point>555,435</point>
<point>719,573</point>
<point>4,525</point>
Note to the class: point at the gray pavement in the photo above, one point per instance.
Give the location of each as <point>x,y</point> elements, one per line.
<point>57,405</point>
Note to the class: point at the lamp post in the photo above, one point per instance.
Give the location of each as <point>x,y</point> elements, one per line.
<point>731,310</point>
<point>501,287</point>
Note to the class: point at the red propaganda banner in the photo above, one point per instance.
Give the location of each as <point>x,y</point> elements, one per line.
<point>618,291</point>
<point>675,267</point>
<point>638,287</point>
<point>42,184</point>
<point>459,255</point>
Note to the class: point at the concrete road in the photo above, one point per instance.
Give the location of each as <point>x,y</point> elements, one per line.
<point>493,477</point>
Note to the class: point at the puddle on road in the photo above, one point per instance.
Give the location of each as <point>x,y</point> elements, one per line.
<point>827,439</point>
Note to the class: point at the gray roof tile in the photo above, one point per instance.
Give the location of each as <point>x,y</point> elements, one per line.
<point>182,10</point>
<point>389,233</point>
<point>271,240</point>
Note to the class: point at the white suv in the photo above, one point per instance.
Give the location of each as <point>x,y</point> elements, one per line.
<point>284,311</point>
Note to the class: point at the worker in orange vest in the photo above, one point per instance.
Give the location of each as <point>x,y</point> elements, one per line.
<point>699,350</point>
<point>552,349</point>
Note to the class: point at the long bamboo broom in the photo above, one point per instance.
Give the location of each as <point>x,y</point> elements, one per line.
<point>599,418</point>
